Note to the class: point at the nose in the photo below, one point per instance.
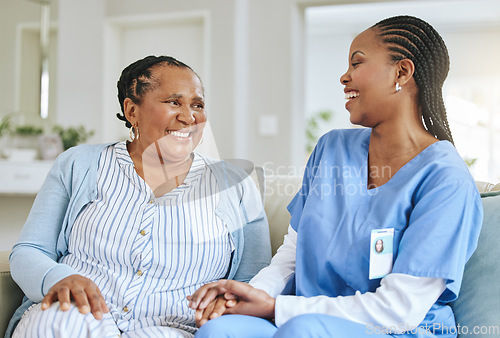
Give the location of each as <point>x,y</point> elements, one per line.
<point>344,79</point>
<point>186,116</point>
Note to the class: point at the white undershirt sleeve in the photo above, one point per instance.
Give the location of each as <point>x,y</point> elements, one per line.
<point>274,277</point>
<point>399,304</point>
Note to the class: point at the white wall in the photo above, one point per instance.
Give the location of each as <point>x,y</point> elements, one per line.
<point>253,67</point>
<point>472,36</point>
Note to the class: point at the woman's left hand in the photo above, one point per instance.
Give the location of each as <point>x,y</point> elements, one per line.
<point>250,301</point>
<point>215,309</point>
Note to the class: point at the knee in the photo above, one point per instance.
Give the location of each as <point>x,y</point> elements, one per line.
<point>307,325</point>
<point>217,328</point>
<point>237,326</point>
<point>300,326</point>
<point>53,322</point>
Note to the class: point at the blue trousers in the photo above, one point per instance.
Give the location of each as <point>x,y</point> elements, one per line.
<point>304,326</point>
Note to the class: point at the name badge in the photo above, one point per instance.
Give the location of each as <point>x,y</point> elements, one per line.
<point>381,252</point>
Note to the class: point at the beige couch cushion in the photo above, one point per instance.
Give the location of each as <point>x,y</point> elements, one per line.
<point>11,294</point>
<point>279,191</point>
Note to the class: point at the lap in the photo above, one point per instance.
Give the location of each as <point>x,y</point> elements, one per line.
<point>309,325</point>
<point>237,326</point>
<point>157,331</point>
<point>71,323</point>
<point>54,322</point>
<point>320,325</point>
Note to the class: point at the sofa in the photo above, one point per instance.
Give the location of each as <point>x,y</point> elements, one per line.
<point>477,310</point>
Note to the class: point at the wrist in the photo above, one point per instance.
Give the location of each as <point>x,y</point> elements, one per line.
<point>270,308</point>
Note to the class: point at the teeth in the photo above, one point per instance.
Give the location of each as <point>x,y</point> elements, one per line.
<point>351,95</point>
<point>178,134</point>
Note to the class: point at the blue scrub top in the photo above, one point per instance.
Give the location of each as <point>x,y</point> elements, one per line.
<point>431,202</point>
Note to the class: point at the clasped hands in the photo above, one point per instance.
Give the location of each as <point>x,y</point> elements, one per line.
<point>230,297</point>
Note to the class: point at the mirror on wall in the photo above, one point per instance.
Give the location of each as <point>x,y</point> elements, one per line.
<point>29,40</point>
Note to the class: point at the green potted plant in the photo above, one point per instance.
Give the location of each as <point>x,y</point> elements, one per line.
<point>5,130</point>
<point>5,125</point>
<point>71,136</point>
<point>313,128</point>
<point>26,136</point>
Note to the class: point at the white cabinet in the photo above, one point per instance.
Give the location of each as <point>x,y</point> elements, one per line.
<point>22,178</point>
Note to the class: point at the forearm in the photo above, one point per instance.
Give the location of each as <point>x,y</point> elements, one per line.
<point>402,301</point>
<point>35,272</point>
<point>34,257</point>
<point>274,278</point>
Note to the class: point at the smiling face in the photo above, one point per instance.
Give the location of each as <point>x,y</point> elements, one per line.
<point>369,80</point>
<point>172,112</point>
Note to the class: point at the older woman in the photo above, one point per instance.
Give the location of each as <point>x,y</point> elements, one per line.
<point>120,233</point>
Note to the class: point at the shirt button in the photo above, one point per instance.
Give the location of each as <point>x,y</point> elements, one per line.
<point>151,201</point>
<point>139,273</point>
<point>143,232</point>
<point>125,309</point>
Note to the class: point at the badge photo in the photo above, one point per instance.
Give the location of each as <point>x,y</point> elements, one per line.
<point>381,253</point>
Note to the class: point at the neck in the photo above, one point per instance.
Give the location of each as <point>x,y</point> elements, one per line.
<point>156,170</point>
<point>401,136</point>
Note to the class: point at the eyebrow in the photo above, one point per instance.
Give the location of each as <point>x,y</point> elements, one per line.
<point>179,96</point>
<point>174,96</point>
<point>356,52</point>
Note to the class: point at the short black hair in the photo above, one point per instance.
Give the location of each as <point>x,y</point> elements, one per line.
<point>136,79</point>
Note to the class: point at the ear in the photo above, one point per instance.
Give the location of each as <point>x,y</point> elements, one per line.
<point>130,111</point>
<point>405,71</point>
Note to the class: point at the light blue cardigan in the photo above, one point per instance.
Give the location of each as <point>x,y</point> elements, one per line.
<point>71,184</point>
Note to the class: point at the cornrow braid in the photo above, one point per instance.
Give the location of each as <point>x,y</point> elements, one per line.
<point>411,38</point>
<point>136,79</point>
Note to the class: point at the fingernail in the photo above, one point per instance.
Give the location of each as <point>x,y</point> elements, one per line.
<point>98,315</point>
<point>44,306</point>
<point>84,309</point>
<point>64,306</point>
<point>214,315</point>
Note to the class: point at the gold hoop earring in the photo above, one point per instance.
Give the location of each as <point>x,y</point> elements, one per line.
<point>133,133</point>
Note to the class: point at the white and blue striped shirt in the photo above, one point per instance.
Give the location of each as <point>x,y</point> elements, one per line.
<point>146,254</point>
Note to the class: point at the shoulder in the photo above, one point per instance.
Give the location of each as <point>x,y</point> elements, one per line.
<point>441,167</point>
<point>442,160</point>
<point>80,156</point>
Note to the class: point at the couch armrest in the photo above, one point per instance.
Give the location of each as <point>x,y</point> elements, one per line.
<point>10,294</point>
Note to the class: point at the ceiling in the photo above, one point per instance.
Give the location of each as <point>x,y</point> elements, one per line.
<point>440,13</point>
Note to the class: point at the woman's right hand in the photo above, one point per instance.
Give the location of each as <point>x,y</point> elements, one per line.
<point>242,299</point>
<point>83,291</point>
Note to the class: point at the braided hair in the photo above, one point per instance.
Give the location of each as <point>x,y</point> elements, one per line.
<point>411,38</point>
<point>137,79</point>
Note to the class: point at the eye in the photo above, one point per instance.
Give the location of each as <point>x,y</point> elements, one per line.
<point>355,64</point>
<point>172,102</point>
<point>198,105</point>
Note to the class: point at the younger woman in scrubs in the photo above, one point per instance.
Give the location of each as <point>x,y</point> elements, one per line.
<point>399,181</point>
